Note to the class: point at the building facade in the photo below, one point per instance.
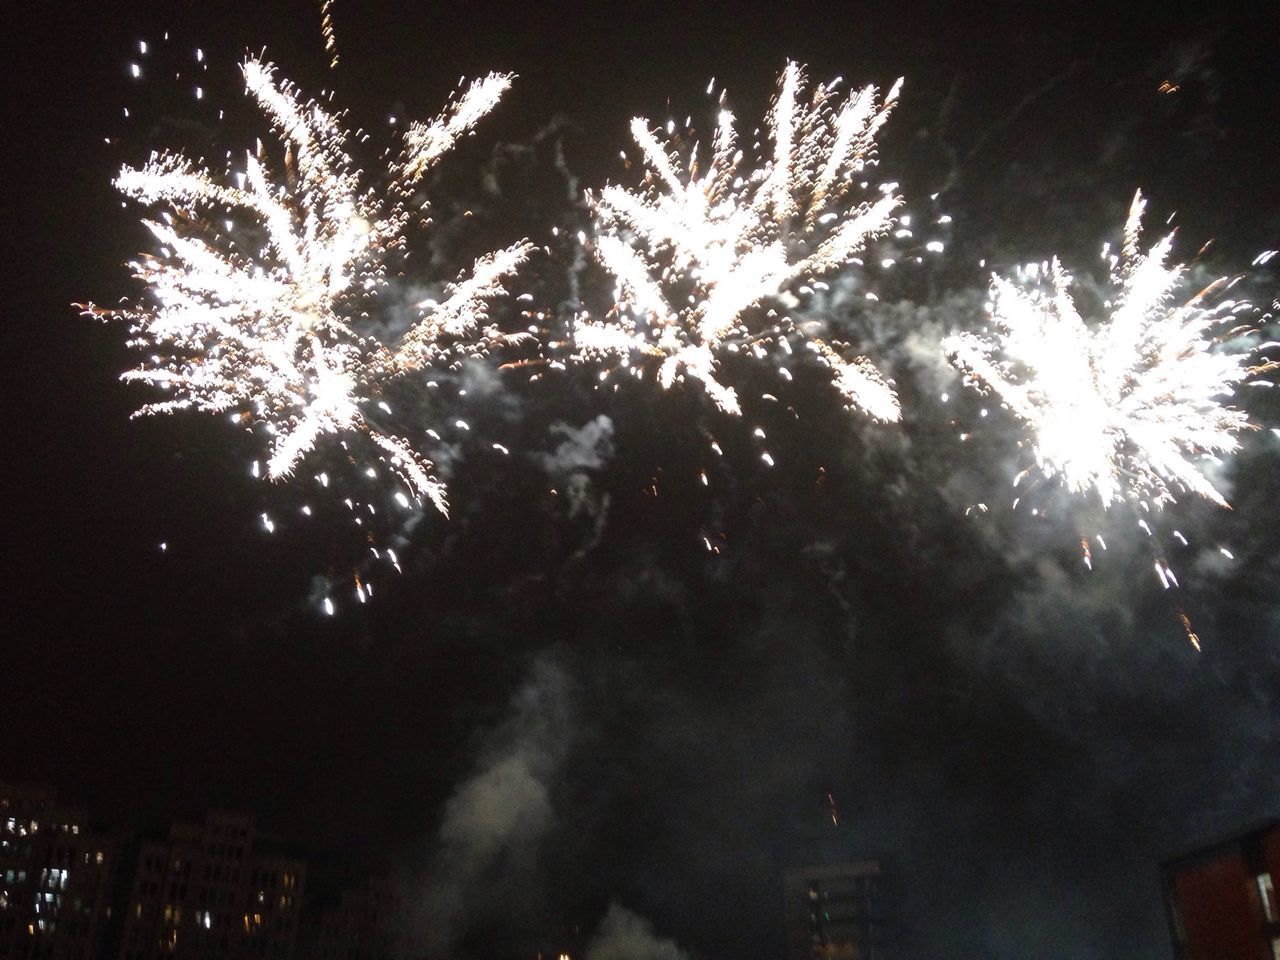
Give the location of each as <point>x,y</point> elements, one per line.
<point>57,878</point>
<point>213,890</point>
<point>835,912</point>
<point>363,925</point>
<point>1221,899</point>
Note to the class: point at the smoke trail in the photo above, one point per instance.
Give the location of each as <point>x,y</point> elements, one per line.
<point>623,935</point>
<point>495,819</point>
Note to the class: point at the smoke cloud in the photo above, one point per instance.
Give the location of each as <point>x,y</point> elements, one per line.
<point>496,818</point>
<point>623,935</point>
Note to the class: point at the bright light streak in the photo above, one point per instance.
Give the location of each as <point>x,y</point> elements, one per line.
<point>1124,407</point>
<point>275,335</point>
<point>738,236</point>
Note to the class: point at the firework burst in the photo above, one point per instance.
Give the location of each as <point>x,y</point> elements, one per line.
<point>258,290</point>
<point>704,239</point>
<point>1127,407</point>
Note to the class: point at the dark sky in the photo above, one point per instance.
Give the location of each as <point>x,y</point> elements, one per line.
<point>551,713</point>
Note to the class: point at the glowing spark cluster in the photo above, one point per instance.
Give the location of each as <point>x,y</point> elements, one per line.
<point>704,239</point>
<point>267,324</point>
<point>1125,407</point>
<point>326,29</point>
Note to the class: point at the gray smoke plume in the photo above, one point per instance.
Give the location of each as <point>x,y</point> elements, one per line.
<point>584,451</point>
<point>623,935</point>
<point>588,447</point>
<point>496,818</point>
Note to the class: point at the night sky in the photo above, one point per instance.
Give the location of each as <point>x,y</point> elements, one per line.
<point>566,702</point>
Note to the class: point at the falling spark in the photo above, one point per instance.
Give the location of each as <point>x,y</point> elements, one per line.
<point>704,239</point>
<point>326,28</point>
<point>273,336</point>
<point>1192,638</point>
<point>1124,407</point>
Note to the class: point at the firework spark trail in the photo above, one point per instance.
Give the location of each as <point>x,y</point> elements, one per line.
<point>272,332</point>
<point>703,239</point>
<point>1124,408</point>
<point>326,28</point>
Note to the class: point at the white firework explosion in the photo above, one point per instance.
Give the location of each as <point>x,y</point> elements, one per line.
<point>1129,406</point>
<point>704,239</point>
<point>271,332</point>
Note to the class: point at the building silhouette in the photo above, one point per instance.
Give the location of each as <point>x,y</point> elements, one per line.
<point>57,878</point>
<point>834,911</point>
<point>213,890</point>
<point>1221,898</point>
<point>365,924</point>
